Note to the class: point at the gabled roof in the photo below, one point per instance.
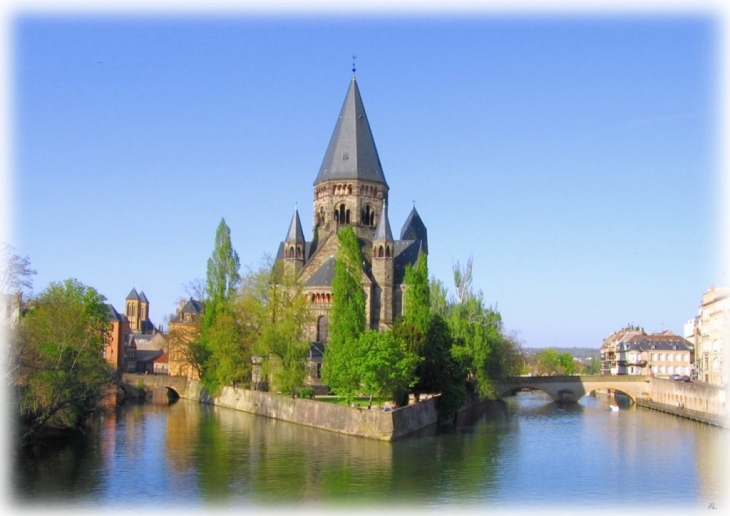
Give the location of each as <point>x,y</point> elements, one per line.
<point>383,232</point>
<point>415,229</point>
<point>295,233</point>
<point>113,315</point>
<point>324,275</point>
<point>133,296</point>
<point>351,153</point>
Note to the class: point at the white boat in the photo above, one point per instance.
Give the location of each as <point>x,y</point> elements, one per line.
<point>613,407</point>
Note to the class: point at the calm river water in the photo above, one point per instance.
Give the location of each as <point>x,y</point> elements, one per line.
<point>524,453</point>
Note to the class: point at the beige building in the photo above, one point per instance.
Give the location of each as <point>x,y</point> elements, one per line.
<point>633,352</point>
<point>183,329</point>
<point>712,330</point>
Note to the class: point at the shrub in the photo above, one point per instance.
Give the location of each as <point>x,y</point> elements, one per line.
<point>306,393</point>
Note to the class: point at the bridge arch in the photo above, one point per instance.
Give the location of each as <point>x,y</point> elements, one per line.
<point>569,389</point>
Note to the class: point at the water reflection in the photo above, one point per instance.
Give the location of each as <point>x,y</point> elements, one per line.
<point>518,452</point>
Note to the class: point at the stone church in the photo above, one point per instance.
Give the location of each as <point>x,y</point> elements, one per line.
<point>350,190</point>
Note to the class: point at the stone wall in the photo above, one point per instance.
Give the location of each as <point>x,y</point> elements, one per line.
<point>696,396</point>
<point>360,422</point>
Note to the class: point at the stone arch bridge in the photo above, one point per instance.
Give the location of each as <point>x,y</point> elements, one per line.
<point>564,389</point>
<point>569,389</point>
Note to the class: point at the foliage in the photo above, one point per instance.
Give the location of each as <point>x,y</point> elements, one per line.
<point>480,345</point>
<point>347,318</point>
<point>417,296</point>
<point>220,356</point>
<point>383,364</point>
<point>59,374</point>
<point>275,315</point>
<point>223,266</point>
<point>306,393</point>
<point>15,272</point>
<point>229,363</point>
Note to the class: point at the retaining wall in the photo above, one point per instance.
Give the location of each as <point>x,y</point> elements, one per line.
<point>360,422</point>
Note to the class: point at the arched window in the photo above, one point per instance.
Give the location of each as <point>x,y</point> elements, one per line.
<point>380,251</point>
<point>322,324</point>
<point>328,298</point>
<point>299,252</point>
<point>347,217</point>
<point>342,215</point>
<point>387,251</point>
<point>313,298</point>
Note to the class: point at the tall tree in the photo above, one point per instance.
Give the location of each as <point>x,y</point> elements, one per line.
<point>223,266</point>
<point>417,296</point>
<point>347,318</point>
<point>221,349</point>
<point>16,274</point>
<point>275,314</point>
<point>59,374</point>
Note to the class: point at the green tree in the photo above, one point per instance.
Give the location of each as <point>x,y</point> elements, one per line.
<point>347,318</point>
<point>275,313</point>
<point>417,296</point>
<point>548,361</point>
<point>383,364</point>
<point>59,374</point>
<point>223,267</point>
<point>223,357</point>
<point>567,365</point>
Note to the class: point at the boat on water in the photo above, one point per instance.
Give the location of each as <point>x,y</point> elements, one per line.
<point>613,407</point>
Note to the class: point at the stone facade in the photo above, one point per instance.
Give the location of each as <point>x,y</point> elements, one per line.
<point>713,331</point>
<point>350,190</point>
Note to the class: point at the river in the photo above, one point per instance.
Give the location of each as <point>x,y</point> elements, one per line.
<point>525,453</point>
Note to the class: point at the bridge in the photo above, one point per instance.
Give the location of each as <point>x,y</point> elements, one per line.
<point>569,389</point>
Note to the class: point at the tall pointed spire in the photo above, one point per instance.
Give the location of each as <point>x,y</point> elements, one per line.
<point>295,233</point>
<point>383,232</point>
<point>351,153</point>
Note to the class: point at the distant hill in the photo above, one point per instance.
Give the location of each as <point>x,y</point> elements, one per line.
<point>582,353</point>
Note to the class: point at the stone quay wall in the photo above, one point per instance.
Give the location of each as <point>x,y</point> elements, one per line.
<point>361,422</point>
<point>695,400</point>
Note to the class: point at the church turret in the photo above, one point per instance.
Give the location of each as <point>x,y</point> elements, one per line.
<point>294,244</point>
<point>350,187</point>
<point>382,271</point>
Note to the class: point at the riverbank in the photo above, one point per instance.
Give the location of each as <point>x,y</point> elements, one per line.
<point>681,411</point>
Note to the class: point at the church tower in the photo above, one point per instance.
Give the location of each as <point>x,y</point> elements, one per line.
<point>350,188</point>
<point>294,245</point>
<point>382,271</point>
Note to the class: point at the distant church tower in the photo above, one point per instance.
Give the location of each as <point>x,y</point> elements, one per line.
<point>137,312</point>
<point>350,189</point>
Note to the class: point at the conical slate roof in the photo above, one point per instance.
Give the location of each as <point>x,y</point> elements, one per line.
<point>415,229</point>
<point>295,233</point>
<point>383,232</point>
<point>351,153</point>
<point>133,296</point>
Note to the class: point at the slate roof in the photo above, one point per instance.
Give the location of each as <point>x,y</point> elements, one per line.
<point>143,298</point>
<point>383,232</point>
<point>133,296</point>
<point>324,275</point>
<point>659,341</point>
<point>295,233</point>
<point>415,229</point>
<point>192,306</point>
<point>113,315</point>
<point>351,153</point>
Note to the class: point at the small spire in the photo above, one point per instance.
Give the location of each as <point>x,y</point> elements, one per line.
<point>353,64</point>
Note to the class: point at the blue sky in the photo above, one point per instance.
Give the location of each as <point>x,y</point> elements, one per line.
<point>575,158</point>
